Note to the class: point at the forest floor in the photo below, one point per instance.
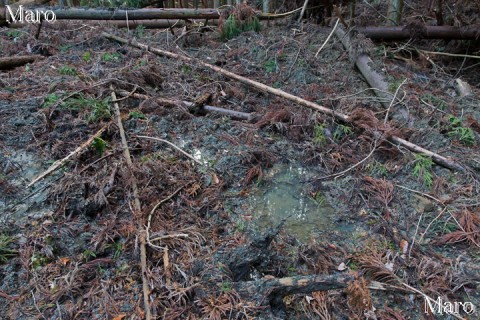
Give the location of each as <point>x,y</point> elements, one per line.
<point>290,192</point>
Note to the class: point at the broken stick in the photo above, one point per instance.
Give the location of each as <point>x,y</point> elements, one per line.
<point>137,207</point>
<point>169,102</point>
<point>57,164</point>
<point>451,164</point>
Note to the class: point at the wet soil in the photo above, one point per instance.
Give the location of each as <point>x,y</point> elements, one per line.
<point>394,218</point>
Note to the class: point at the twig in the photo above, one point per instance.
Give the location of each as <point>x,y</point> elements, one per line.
<point>421,193</point>
<point>428,298</point>
<point>431,222</point>
<point>137,207</point>
<point>149,221</point>
<point>394,97</point>
<point>174,146</point>
<point>303,10</point>
<point>352,167</point>
<point>328,38</point>
<point>415,234</point>
<point>57,164</point>
<point>451,54</point>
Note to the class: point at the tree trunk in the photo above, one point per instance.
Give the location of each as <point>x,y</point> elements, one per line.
<point>428,32</point>
<point>394,15</point>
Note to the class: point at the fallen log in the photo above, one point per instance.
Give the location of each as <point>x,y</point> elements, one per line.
<point>123,14</point>
<point>272,291</point>
<point>375,80</point>
<point>425,32</point>
<point>262,87</point>
<point>129,14</point>
<point>169,102</point>
<point>149,24</point>
<point>17,61</point>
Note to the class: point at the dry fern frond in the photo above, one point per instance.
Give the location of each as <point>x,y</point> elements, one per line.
<point>359,298</point>
<point>252,173</point>
<point>381,189</point>
<point>373,266</point>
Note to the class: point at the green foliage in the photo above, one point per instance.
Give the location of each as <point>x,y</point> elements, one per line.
<point>376,168</point>
<point>88,254</point>
<point>232,28</point>
<point>136,115</point>
<point>99,109</point>
<point>38,261</point>
<point>6,251</point>
<point>240,225</point>
<point>140,31</point>
<point>109,57</point>
<point>319,137</point>
<point>117,248</point>
<point>319,198</point>
<point>423,168</point>
<point>13,33</point>
<point>226,287</point>
<point>50,99</point>
<point>186,69</point>
<point>457,131</point>
<point>87,56</point>
<point>64,48</point>
<point>67,71</point>
<point>271,65</point>
<point>341,131</point>
<point>100,145</point>
<point>436,102</point>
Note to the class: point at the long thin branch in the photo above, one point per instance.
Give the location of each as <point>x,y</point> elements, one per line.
<point>262,87</point>
<point>173,146</point>
<point>138,209</point>
<point>328,38</point>
<point>59,163</point>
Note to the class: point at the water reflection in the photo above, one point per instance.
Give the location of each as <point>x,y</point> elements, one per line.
<point>284,196</point>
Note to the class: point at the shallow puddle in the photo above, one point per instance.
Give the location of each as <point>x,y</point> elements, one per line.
<point>283,195</point>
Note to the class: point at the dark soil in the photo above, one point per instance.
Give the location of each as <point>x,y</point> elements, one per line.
<point>69,245</point>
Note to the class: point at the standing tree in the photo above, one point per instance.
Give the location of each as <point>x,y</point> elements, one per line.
<point>394,15</point>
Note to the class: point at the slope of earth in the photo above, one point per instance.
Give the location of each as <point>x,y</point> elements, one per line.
<point>70,244</point>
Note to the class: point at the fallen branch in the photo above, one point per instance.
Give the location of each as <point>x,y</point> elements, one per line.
<point>262,87</point>
<point>57,164</point>
<point>137,207</point>
<point>328,38</point>
<point>16,61</point>
<point>170,102</point>
<point>249,82</point>
<point>173,146</point>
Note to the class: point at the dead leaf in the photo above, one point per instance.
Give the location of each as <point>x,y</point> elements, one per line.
<point>215,178</point>
<point>119,317</point>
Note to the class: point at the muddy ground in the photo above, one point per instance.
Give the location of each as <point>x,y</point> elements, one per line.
<point>69,245</point>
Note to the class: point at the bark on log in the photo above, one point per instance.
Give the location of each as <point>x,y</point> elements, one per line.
<point>149,24</point>
<point>275,289</point>
<point>134,14</point>
<point>364,63</point>
<point>123,14</point>
<point>375,80</point>
<point>16,61</point>
<point>428,32</point>
<point>262,87</point>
